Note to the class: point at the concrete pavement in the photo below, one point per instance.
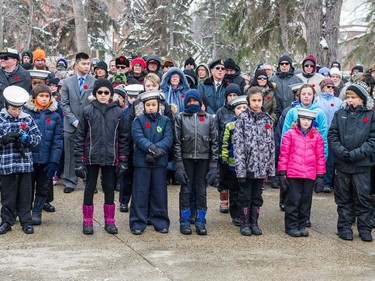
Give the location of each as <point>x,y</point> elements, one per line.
<point>60,251</point>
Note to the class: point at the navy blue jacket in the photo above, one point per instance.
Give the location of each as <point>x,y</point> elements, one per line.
<point>50,125</point>
<point>147,131</point>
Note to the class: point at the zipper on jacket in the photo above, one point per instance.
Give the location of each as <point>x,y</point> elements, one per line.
<point>195,136</point>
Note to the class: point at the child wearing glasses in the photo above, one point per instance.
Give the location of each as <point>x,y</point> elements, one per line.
<point>100,144</point>
<point>329,104</point>
<point>18,133</point>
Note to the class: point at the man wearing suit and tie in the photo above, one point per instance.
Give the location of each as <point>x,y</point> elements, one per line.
<point>74,98</point>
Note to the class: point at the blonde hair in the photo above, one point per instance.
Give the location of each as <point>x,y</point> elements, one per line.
<point>153,78</point>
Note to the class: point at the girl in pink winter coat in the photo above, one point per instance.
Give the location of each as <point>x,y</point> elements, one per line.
<point>301,164</point>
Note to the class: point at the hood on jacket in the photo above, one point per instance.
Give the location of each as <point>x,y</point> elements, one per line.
<point>205,65</point>
<point>29,54</point>
<point>155,58</point>
<point>31,105</point>
<point>311,58</point>
<point>167,76</point>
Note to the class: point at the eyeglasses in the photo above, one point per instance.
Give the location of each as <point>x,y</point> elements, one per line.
<point>219,68</point>
<point>309,65</point>
<point>103,92</point>
<point>262,78</point>
<point>121,66</point>
<point>329,87</point>
<point>267,69</point>
<point>284,63</point>
<point>5,58</point>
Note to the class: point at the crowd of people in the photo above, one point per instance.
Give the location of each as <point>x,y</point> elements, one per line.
<point>145,123</point>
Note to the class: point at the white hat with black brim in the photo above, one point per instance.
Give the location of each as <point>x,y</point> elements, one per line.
<point>39,74</point>
<point>134,89</point>
<point>16,95</point>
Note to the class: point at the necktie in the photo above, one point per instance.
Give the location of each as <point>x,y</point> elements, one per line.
<point>217,86</point>
<point>81,80</point>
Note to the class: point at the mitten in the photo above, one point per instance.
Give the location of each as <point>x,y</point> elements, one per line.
<point>180,174</point>
<point>319,183</point>
<point>150,160</point>
<point>155,151</point>
<point>9,137</point>
<point>51,169</point>
<point>121,169</point>
<point>80,170</point>
<point>283,181</point>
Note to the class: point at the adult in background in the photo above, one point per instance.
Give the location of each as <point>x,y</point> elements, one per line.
<point>75,91</point>
<point>203,72</point>
<point>190,63</point>
<point>101,70</point>
<point>213,87</point>
<point>11,73</point>
<point>153,65</point>
<point>232,74</point>
<point>137,73</point>
<point>284,77</point>
<point>309,74</point>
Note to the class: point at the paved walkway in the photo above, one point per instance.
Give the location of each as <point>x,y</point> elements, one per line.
<point>59,251</point>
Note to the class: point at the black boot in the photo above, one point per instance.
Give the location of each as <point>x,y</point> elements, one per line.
<point>37,210</point>
<point>254,215</point>
<point>5,227</point>
<point>245,222</point>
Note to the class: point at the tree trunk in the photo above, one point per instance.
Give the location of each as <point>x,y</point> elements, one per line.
<point>283,7</point>
<point>331,32</point>
<point>313,21</point>
<point>81,27</point>
<point>30,33</point>
<point>1,25</point>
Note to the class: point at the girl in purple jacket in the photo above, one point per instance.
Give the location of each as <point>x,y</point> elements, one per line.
<point>301,163</point>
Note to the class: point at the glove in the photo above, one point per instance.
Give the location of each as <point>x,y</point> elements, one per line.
<point>155,151</point>
<point>346,156</point>
<point>211,176</point>
<point>180,174</point>
<point>10,137</point>
<point>121,169</point>
<point>150,160</point>
<point>283,181</point>
<point>241,180</point>
<point>51,169</point>
<point>25,138</point>
<point>80,170</point>
<point>319,183</point>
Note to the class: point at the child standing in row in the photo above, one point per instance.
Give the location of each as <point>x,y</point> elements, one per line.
<point>254,154</point>
<point>301,162</point>
<point>227,172</point>
<point>195,152</point>
<point>153,138</point>
<point>100,144</point>
<point>18,133</point>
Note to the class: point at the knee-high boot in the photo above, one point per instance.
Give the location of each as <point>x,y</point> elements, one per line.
<point>245,221</point>
<point>109,218</point>
<point>200,222</point>
<point>88,214</point>
<point>254,216</point>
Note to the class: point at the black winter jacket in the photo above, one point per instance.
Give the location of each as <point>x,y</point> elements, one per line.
<point>353,130</point>
<point>101,136</point>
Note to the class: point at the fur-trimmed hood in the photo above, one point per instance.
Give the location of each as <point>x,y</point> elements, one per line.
<point>31,105</point>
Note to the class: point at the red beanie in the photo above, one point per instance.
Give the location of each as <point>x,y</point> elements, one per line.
<point>139,61</point>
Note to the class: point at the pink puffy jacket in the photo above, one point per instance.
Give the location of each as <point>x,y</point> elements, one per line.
<point>302,156</point>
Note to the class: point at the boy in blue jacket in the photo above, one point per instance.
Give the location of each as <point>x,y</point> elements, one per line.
<point>153,137</point>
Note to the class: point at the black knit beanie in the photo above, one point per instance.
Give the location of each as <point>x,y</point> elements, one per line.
<point>102,83</point>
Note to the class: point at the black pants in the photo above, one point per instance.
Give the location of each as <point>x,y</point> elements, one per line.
<point>108,184</point>
<point>41,183</point>
<point>16,198</point>
<point>250,194</point>
<point>298,203</point>
<point>352,196</point>
<point>196,171</point>
<point>231,183</point>
<point>149,192</point>
<point>126,186</point>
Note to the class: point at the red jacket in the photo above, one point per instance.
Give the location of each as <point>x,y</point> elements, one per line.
<point>302,156</point>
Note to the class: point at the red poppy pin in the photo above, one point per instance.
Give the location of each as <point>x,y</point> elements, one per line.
<point>85,87</point>
<point>48,120</point>
<point>332,105</point>
<point>268,98</point>
<point>268,126</point>
<point>182,96</point>
<point>121,59</point>
<point>16,78</point>
<point>23,126</point>
<point>365,119</point>
<point>148,125</point>
<point>311,136</point>
<point>313,85</point>
<point>201,118</point>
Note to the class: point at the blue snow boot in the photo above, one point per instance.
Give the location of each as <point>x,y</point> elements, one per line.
<point>184,221</point>
<point>200,222</point>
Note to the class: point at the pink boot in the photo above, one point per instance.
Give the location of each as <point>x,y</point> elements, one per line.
<point>88,214</point>
<point>109,217</point>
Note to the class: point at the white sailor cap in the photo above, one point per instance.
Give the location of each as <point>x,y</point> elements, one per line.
<point>16,95</point>
<point>8,52</point>
<point>309,114</point>
<point>39,74</point>
<point>150,95</point>
<point>238,100</point>
<point>134,89</point>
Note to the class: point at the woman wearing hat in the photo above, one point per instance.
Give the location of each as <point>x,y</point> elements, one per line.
<point>100,144</point>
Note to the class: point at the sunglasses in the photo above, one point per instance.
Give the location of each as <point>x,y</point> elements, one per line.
<point>329,87</point>
<point>121,66</point>
<point>219,68</point>
<point>5,58</point>
<point>262,78</point>
<point>309,65</point>
<point>284,63</point>
<point>103,92</point>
